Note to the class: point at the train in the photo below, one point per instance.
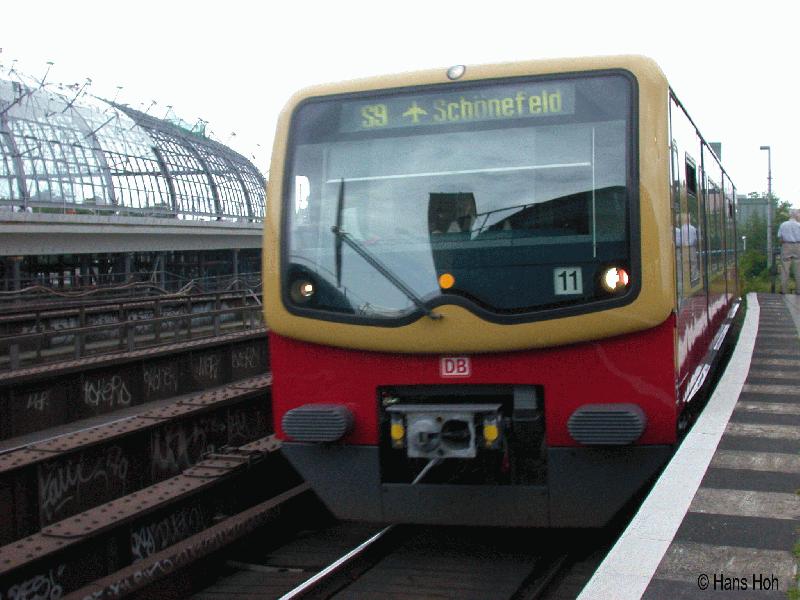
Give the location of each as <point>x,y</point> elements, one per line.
<point>494,292</point>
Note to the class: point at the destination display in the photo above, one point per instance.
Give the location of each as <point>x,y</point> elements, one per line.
<point>475,105</point>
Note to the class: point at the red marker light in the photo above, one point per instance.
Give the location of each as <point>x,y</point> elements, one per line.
<point>615,279</point>
<point>623,277</point>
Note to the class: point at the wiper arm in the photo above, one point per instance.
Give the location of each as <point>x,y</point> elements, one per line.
<point>343,237</point>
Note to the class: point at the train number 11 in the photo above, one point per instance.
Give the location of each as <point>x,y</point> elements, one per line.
<point>567,280</point>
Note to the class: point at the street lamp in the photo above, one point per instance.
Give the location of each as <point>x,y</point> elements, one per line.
<point>770,258</point>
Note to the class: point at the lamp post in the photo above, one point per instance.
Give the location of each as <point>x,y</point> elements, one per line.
<point>770,258</point>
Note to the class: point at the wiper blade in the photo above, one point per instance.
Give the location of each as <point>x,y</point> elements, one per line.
<point>343,237</point>
<point>337,246</point>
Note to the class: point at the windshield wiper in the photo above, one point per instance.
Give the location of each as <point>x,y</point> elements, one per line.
<point>343,237</point>
<point>337,245</point>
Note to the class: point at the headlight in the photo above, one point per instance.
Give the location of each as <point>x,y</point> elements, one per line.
<point>302,290</point>
<point>614,279</point>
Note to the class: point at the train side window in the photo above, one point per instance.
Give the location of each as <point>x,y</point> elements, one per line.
<point>691,229</point>
<point>691,176</point>
<point>715,233</point>
<point>731,236</point>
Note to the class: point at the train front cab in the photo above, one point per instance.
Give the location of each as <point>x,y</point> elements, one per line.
<point>463,420</point>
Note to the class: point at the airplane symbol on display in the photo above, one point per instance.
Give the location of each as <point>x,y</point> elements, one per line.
<point>414,112</point>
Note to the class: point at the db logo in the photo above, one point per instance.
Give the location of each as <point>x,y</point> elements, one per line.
<point>455,366</point>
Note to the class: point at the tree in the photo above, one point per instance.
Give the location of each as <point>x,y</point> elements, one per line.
<point>754,270</point>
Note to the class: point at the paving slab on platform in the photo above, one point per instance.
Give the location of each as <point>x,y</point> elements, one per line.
<point>734,532</point>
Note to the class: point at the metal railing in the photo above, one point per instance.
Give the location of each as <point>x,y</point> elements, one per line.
<point>147,283</point>
<point>126,334</point>
<point>36,312</point>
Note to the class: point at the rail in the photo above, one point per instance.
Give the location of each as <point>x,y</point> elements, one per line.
<point>470,564</point>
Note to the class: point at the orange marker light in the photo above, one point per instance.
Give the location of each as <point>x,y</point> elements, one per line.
<point>446,281</point>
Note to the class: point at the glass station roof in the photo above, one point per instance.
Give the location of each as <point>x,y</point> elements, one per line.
<point>95,156</point>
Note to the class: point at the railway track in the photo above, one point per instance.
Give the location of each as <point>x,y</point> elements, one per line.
<point>83,500</point>
<point>44,482</point>
<point>403,562</point>
<point>40,397</point>
<point>360,562</point>
<point>130,542</point>
<point>416,563</point>
<point>133,462</point>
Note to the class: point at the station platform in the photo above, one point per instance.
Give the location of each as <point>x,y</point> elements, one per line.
<point>724,517</point>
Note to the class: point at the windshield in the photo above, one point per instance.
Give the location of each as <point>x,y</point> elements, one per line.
<point>504,198</point>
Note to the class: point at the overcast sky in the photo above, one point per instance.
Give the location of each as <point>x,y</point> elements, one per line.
<point>235,63</point>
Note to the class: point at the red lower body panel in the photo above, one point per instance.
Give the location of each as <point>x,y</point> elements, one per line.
<point>637,368</point>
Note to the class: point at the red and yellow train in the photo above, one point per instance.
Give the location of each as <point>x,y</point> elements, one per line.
<point>493,291</point>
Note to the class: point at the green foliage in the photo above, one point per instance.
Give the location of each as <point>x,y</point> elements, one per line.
<point>754,272</point>
<point>794,591</point>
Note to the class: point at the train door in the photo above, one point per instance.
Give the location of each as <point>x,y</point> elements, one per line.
<point>732,239</point>
<point>678,210</point>
<point>705,238</point>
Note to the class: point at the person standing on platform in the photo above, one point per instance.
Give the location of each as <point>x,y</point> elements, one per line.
<point>789,234</point>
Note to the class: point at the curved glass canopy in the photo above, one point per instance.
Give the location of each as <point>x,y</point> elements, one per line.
<point>96,156</point>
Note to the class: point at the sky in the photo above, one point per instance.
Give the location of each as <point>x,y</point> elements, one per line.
<point>235,63</point>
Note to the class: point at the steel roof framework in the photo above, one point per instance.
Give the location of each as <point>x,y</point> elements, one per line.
<point>107,158</point>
